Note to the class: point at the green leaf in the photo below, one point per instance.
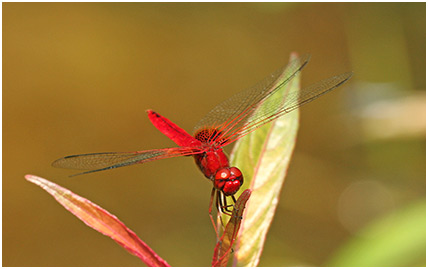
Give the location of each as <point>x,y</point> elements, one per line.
<point>397,239</point>
<point>100,220</point>
<point>263,156</point>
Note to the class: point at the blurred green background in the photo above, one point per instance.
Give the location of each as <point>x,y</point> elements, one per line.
<point>78,77</point>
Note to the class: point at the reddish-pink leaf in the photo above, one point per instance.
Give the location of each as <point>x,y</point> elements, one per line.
<point>100,220</point>
<point>224,246</point>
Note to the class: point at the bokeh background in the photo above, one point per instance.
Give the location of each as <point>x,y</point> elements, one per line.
<point>78,77</point>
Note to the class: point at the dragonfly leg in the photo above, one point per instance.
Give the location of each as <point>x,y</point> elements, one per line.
<point>214,193</point>
<point>225,206</point>
<point>222,207</point>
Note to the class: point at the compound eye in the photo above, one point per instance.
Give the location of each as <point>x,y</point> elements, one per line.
<point>235,172</point>
<point>228,180</point>
<point>222,174</point>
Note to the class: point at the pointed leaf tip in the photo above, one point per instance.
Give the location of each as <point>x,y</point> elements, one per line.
<point>101,220</point>
<point>263,156</point>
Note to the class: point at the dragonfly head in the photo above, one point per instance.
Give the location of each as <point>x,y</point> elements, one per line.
<point>228,180</point>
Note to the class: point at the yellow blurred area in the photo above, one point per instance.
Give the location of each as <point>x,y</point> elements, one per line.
<point>78,77</point>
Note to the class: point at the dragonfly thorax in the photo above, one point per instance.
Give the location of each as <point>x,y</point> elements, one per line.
<point>210,136</point>
<point>228,180</point>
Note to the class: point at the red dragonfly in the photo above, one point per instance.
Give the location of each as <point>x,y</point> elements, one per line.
<point>230,120</point>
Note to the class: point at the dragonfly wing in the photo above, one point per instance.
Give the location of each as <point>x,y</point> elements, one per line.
<point>234,112</point>
<point>95,162</point>
<point>244,112</point>
<point>279,105</point>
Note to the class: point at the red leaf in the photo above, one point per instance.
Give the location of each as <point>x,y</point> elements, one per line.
<point>100,220</point>
<point>224,246</point>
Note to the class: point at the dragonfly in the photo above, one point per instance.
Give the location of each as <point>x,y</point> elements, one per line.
<point>227,122</point>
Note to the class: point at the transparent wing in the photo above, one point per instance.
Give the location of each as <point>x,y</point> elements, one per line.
<point>230,115</point>
<point>243,113</point>
<point>277,106</point>
<point>95,162</point>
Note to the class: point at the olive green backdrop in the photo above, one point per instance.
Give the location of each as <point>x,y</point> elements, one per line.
<point>78,77</point>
